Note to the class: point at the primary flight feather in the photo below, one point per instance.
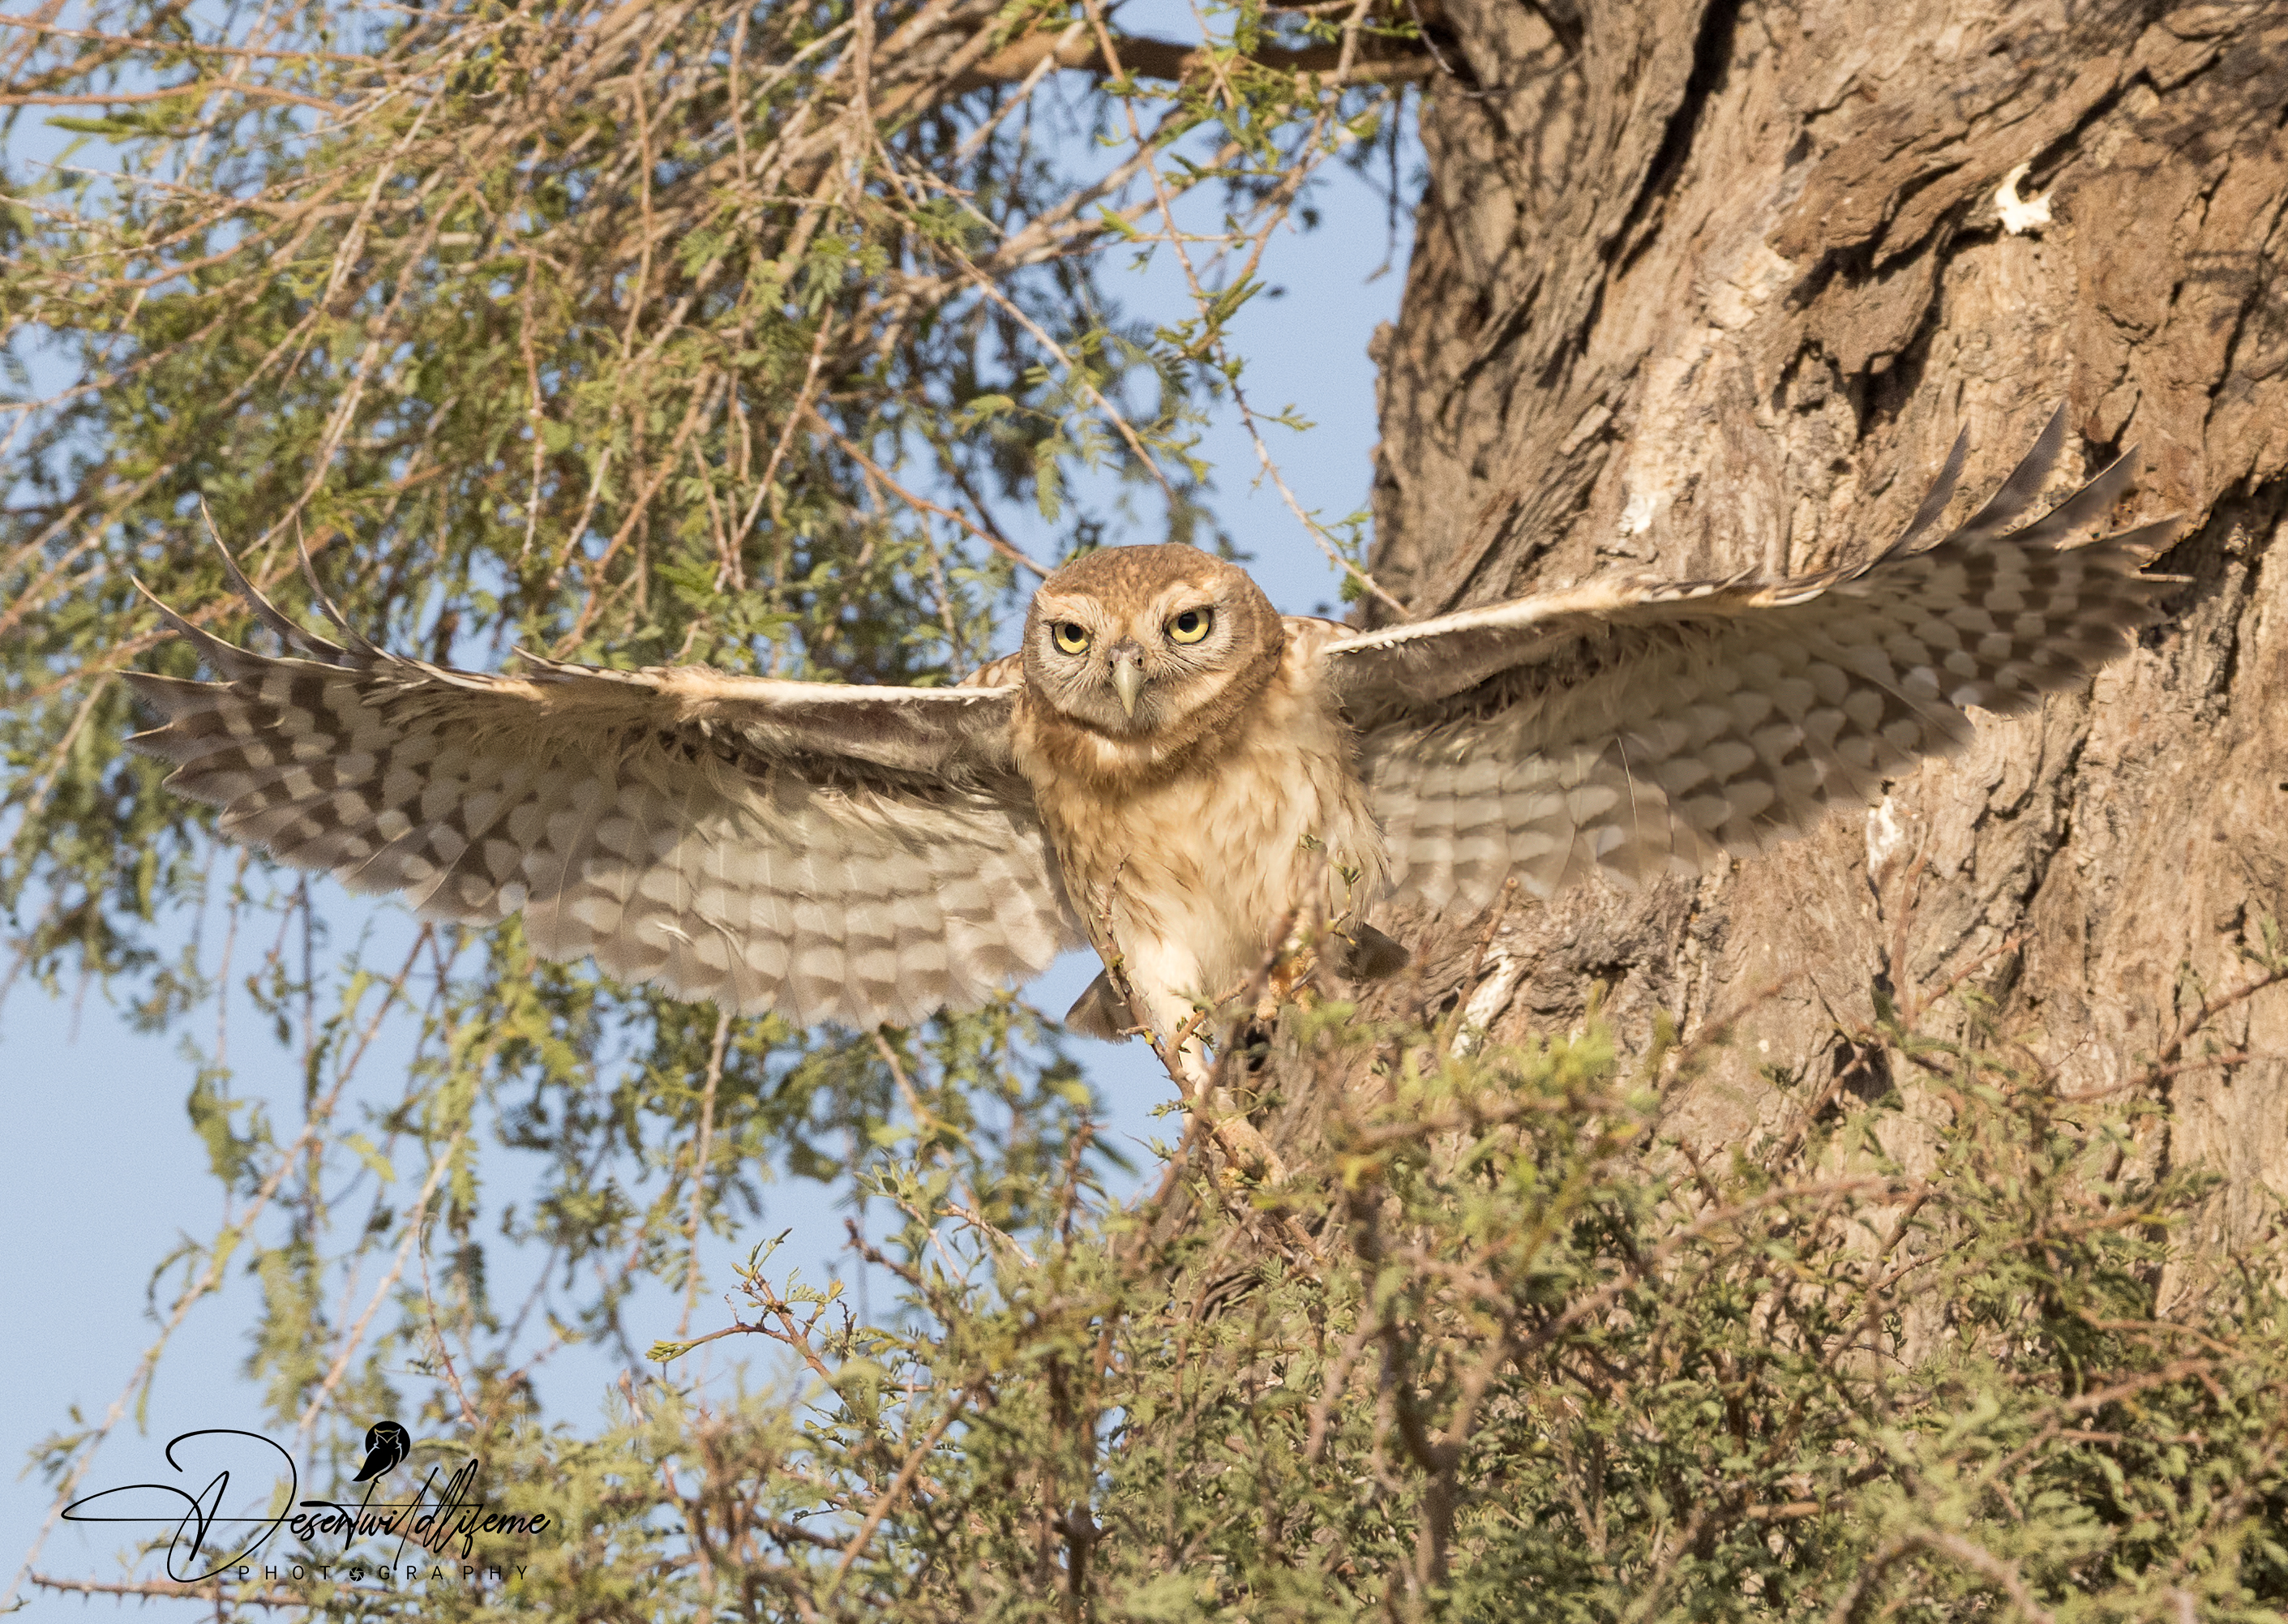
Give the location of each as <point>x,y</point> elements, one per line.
<point>1167,769</point>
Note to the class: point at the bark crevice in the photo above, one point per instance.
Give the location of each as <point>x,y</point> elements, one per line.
<point>1711,57</point>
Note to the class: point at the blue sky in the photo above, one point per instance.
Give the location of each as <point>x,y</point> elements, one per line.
<point>107,1175</point>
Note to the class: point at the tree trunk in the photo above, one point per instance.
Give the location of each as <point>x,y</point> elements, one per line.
<point>1699,289</point>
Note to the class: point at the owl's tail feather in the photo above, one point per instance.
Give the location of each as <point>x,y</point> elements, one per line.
<point>1941,492</point>
<point>2084,507</point>
<point>1369,955</point>
<point>292,632</point>
<point>1101,1012</point>
<point>2023,486</point>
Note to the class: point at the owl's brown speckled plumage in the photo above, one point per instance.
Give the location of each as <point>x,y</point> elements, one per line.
<point>1186,831</point>
<point>1165,769</point>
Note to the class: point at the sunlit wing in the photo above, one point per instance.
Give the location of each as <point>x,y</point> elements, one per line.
<point>1637,727</point>
<point>843,853</point>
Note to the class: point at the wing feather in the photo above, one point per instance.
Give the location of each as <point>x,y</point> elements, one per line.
<point>853,854</point>
<point>1639,728</point>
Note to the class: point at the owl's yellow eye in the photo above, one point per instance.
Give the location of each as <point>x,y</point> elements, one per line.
<point>1070,638</point>
<point>1191,626</point>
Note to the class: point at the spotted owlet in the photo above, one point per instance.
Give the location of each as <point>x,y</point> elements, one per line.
<point>1167,769</point>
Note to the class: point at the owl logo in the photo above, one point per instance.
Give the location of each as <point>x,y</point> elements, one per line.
<point>387,1444</point>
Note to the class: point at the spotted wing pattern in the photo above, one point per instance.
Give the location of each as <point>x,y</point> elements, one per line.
<point>851,854</point>
<point>1636,728</point>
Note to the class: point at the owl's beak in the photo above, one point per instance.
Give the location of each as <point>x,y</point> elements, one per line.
<point>1128,676</point>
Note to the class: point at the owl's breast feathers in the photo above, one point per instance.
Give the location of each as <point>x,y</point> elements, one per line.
<point>1197,854</point>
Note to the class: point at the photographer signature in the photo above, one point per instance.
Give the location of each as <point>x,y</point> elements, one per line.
<point>456,1513</point>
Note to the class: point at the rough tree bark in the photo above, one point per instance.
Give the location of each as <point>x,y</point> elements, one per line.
<point>1702,287</point>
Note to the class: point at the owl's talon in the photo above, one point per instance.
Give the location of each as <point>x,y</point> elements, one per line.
<point>1246,1152</point>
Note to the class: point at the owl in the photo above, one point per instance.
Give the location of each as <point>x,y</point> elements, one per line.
<point>1167,769</point>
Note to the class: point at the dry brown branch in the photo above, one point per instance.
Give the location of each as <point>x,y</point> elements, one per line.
<point>354,1338</point>
<point>2162,1065</point>
<point>94,98</point>
<point>700,1158</point>
<point>1006,549</point>
<point>908,1472</point>
<point>153,1590</point>
<point>1129,55</point>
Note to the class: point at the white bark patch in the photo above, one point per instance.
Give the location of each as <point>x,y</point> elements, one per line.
<point>1743,290</point>
<point>1637,517</point>
<point>1884,835</point>
<point>2020,215</point>
<point>1486,1003</point>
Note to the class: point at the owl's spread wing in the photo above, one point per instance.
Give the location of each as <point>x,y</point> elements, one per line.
<point>852,854</point>
<point>1640,726</point>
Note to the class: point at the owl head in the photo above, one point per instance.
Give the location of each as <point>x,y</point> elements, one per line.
<point>1149,642</point>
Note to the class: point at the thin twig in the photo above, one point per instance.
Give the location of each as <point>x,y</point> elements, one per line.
<point>701,1158</point>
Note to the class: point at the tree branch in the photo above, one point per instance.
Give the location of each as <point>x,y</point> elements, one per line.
<point>1160,59</point>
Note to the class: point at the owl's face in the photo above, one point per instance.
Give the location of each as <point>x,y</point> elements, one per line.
<point>1148,641</point>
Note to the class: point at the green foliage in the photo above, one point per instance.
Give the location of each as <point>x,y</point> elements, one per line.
<point>1506,1350</point>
